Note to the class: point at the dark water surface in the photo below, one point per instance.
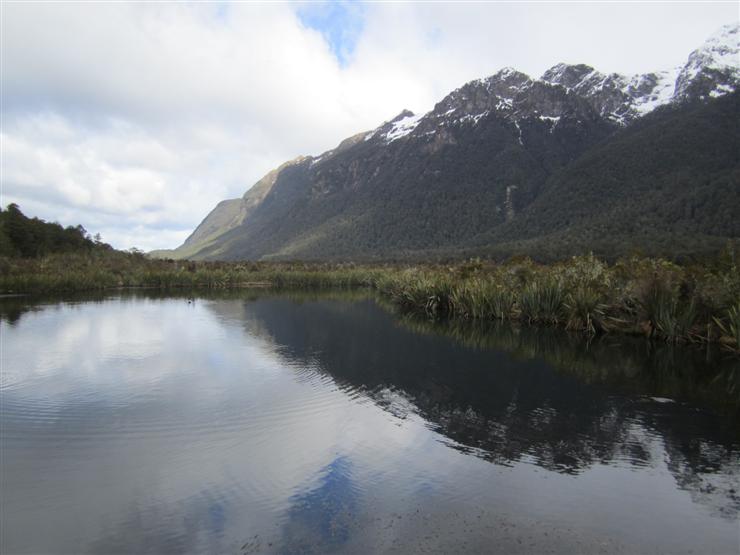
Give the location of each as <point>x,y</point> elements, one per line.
<point>290,424</point>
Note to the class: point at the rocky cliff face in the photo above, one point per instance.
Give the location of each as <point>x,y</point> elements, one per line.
<point>484,153</point>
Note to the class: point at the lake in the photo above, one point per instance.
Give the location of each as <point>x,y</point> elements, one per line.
<point>315,423</point>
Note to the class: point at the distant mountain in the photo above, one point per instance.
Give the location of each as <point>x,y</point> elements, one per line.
<point>576,160</point>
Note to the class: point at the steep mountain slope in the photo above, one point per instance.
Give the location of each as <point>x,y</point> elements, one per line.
<point>669,183</point>
<point>396,189</point>
<point>507,163</point>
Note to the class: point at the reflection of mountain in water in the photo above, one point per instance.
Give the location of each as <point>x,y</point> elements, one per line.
<point>508,394</point>
<point>319,519</point>
<point>531,394</point>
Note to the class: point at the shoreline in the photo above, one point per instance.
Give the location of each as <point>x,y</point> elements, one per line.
<point>638,296</point>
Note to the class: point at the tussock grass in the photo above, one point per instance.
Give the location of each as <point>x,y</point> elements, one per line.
<point>730,327</point>
<point>637,295</point>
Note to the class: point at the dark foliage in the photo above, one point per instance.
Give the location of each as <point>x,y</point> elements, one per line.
<point>25,237</point>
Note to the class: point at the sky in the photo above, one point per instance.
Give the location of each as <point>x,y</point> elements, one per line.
<point>135,120</point>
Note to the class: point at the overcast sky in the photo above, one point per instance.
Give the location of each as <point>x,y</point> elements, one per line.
<point>134,120</point>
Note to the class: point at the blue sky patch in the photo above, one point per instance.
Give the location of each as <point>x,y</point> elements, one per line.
<point>340,23</point>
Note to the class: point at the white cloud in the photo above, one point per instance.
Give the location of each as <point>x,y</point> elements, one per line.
<point>136,119</point>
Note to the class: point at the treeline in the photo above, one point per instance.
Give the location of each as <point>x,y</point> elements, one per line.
<point>24,237</point>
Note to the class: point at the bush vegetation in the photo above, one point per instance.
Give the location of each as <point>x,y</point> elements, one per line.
<point>637,295</point>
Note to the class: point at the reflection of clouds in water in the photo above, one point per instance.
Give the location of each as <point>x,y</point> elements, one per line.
<point>215,409</point>
<point>312,439</point>
<point>117,341</point>
<point>196,524</point>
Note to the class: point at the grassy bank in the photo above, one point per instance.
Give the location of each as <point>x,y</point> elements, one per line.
<point>646,296</point>
<point>107,270</point>
<point>651,297</point>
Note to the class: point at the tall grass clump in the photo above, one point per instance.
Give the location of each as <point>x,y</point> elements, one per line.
<point>730,328</point>
<point>585,310</point>
<point>418,291</point>
<point>483,299</point>
<point>669,316</point>
<point>542,302</point>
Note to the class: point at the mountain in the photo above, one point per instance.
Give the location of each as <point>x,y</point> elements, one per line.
<point>669,184</point>
<point>576,160</point>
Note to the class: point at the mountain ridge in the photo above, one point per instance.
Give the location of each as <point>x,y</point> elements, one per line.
<point>485,152</point>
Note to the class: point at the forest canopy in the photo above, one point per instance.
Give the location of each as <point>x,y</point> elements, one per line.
<point>24,237</point>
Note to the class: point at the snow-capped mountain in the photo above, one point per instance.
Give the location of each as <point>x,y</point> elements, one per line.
<point>711,71</point>
<point>513,164</point>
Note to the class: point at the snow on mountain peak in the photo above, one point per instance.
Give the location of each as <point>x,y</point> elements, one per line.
<point>402,126</point>
<point>713,69</point>
<point>724,44</point>
<point>514,79</point>
<point>653,89</point>
<point>567,75</point>
<point>573,90</point>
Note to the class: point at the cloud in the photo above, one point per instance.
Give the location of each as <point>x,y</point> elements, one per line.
<point>136,119</point>
<point>340,23</point>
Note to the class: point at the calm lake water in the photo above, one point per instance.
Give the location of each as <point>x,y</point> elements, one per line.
<point>316,424</point>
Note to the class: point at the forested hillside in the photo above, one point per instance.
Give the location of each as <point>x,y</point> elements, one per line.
<point>25,237</point>
<point>669,185</point>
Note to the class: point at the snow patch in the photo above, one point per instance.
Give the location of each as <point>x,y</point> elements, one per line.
<point>504,103</point>
<point>519,129</point>
<point>721,90</point>
<point>720,53</point>
<point>475,118</point>
<point>552,120</point>
<point>402,127</point>
<point>616,118</point>
<point>722,48</point>
<point>661,94</point>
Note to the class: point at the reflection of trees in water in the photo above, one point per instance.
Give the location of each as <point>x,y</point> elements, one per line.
<point>632,364</point>
<point>530,394</point>
<point>709,472</point>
